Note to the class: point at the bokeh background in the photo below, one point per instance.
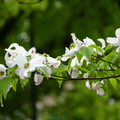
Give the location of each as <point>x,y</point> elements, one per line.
<point>47,26</point>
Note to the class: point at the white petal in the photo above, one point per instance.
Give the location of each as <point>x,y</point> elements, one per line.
<point>84,58</point>
<point>85,75</point>
<point>20,60</point>
<point>49,72</point>
<point>14,49</point>
<point>73,37</point>
<point>76,40</point>
<point>68,55</point>
<point>118,50</point>
<point>26,73</point>
<point>100,91</point>
<point>38,78</point>
<point>102,42</point>
<point>75,73</point>
<point>87,84</point>
<point>31,52</point>
<point>74,62</point>
<point>88,41</point>
<point>113,41</point>
<point>21,73</point>
<point>37,59</point>
<point>53,62</point>
<point>117,33</point>
<point>78,45</point>
<point>96,85</point>
<point>2,69</point>
<point>21,50</point>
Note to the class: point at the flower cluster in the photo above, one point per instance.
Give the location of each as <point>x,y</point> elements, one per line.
<point>29,61</point>
<point>83,60</point>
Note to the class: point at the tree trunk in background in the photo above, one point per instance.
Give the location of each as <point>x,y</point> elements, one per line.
<point>33,87</point>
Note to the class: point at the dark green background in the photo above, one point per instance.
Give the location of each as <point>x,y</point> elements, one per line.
<point>47,26</point>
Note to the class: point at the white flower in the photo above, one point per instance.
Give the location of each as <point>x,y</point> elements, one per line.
<point>2,71</point>
<point>75,72</point>
<point>85,75</point>
<point>87,84</point>
<point>96,86</point>
<point>76,41</point>
<point>25,66</point>
<point>87,42</point>
<point>102,41</point>
<point>38,78</point>
<point>114,41</point>
<point>15,50</point>
<point>53,62</point>
<point>68,54</point>
<point>75,46</point>
<point>75,62</point>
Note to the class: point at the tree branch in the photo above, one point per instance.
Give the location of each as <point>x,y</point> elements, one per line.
<point>105,61</point>
<point>89,78</point>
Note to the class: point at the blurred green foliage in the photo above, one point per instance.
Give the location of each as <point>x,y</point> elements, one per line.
<point>47,26</point>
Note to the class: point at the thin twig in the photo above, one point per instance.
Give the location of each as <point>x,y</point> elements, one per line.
<point>90,78</point>
<point>105,61</point>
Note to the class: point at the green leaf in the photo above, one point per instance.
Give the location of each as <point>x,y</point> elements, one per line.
<point>62,68</point>
<point>113,81</point>
<point>43,70</point>
<point>97,48</point>
<point>108,49</point>
<point>5,84</point>
<point>60,83</point>
<point>92,66</point>
<point>69,63</point>
<point>1,101</point>
<point>81,68</point>
<point>14,83</point>
<point>86,51</point>
<point>79,56</point>
<point>24,82</point>
<point>11,70</point>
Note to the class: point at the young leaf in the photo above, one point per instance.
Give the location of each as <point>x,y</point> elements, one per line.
<point>69,63</point>
<point>14,82</point>
<point>113,81</point>
<point>97,48</point>
<point>81,68</point>
<point>43,70</point>
<point>60,83</point>
<point>5,85</point>
<point>86,51</point>
<point>92,66</point>
<point>79,56</point>
<point>1,101</point>
<point>24,82</point>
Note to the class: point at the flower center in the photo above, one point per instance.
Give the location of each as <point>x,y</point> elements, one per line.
<point>26,65</point>
<point>1,73</point>
<point>58,58</point>
<point>72,45</point>
<point>45,55</point>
